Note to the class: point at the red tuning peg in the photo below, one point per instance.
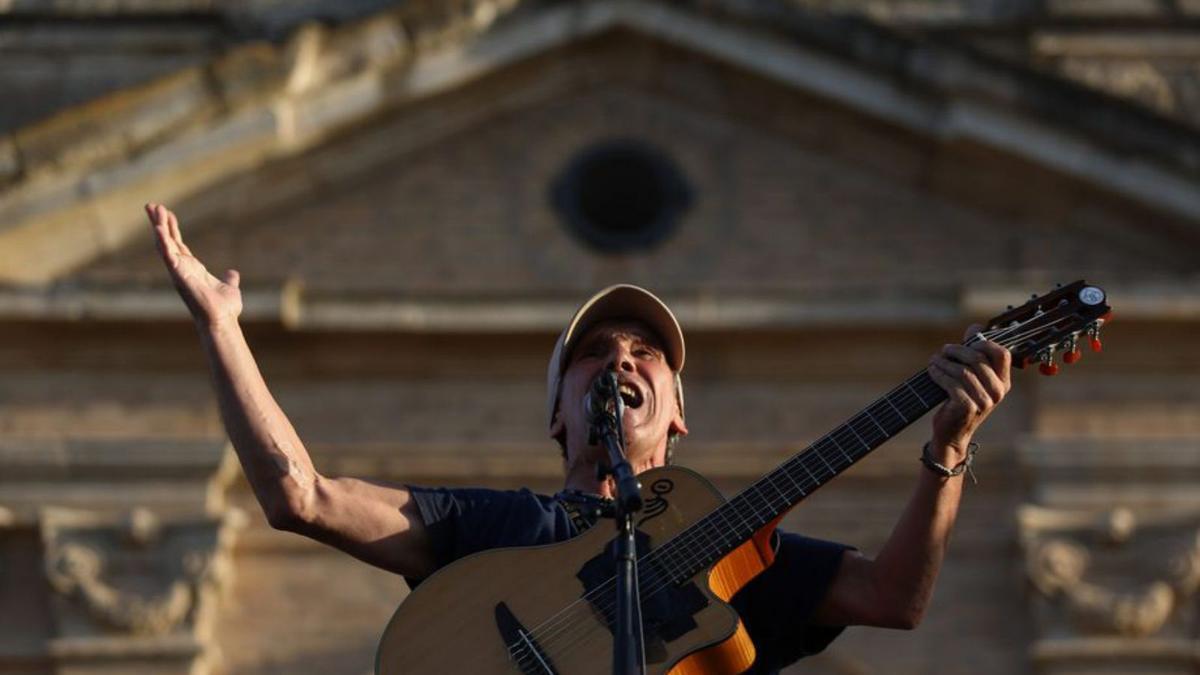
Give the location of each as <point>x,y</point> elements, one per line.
<point>1048,368</point>
<point>1096,345</point>
<point>1072,356</point>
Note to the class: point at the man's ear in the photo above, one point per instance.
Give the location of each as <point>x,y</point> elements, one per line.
<point>678,426</point>
<point>557,426</point>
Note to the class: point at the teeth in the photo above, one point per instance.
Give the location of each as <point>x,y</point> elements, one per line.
<point>630,394</point>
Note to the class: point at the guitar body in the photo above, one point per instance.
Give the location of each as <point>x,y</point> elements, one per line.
<point>451,622</point>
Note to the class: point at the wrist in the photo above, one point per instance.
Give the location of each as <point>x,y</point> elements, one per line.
<point>948,452</point>
<point>945,465</point>
<point>215,327</point>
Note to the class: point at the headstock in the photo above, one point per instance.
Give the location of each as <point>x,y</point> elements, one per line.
<point>1052,323</point>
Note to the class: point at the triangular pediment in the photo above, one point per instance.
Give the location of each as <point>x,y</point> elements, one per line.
<point>790,194</point>
<point>810,174</point>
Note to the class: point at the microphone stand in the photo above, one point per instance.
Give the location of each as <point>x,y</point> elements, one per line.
<point>606,426</point>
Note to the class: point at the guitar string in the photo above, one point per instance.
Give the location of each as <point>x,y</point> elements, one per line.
<point>568,635</point>
<point>663,550</point>
<point>543,632</point>
<point>815,447</point>
<point>554,635</point>
<point>667,551</point>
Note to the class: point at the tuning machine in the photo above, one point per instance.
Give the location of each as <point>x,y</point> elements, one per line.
<point>1047,365</point>
<point>1093,333</point>
<point>1071,352</point>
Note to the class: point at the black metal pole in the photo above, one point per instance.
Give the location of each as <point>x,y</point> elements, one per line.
<point>627,633</point>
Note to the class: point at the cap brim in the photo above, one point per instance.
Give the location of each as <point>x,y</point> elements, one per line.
<point>626,301</point>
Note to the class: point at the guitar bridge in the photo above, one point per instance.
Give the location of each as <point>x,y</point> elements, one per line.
<point>523,649</point>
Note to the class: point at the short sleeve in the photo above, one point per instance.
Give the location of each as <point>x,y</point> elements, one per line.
<point>777,605</point>
<point>463,521</point>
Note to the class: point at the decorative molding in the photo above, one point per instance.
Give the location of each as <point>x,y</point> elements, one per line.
<point>75,572</point>
<point>136,587</point>
<point>171,477</point>
<point>1056,568</point>
<point>300,309</point>
<point>1120,575</point>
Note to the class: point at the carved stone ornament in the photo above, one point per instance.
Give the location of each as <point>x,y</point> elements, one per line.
<point>1060,567</point>
<point>135,576</point>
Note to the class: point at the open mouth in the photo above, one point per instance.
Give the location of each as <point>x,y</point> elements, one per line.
<point>630,395</point>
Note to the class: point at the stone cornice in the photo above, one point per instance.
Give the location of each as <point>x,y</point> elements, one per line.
<point>170,476</point>
<point>292,307</point>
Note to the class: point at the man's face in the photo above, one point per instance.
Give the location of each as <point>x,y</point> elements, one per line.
<point>647,386</point>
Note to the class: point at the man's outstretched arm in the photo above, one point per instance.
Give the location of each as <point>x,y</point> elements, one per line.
<point>376,523</point>
<point>894,589</point>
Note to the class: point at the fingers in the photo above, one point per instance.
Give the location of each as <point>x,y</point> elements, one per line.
<point>978,375</point>
<point>232,277</point>
<point>999,357</point>
<point>961,384</point>
<point>162,236</point>
<point>166,226</point>
<point>977,360</point>
<point>175,233</point>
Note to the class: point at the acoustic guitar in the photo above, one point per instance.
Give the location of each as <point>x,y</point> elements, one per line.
<point>548,610</point>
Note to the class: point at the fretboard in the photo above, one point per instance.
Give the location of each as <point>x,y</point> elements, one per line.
<point>726,528</point>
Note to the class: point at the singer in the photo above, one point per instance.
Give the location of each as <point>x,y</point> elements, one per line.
<point>793,609</point>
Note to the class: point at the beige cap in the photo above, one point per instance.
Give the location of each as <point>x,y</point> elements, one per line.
<point>622,301</point>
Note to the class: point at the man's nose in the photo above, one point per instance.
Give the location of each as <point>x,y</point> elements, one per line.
<point>620,358</point>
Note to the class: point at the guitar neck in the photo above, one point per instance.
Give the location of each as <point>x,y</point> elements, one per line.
<point>726,528</point>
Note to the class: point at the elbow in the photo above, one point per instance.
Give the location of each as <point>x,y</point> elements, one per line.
<point>897,610</point>
<point>282,517</point>
<point>906,617</point>
<point>289,511</point>
<point>907,621</point>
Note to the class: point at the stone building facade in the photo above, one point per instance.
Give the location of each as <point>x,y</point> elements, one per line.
<point>410,194</point>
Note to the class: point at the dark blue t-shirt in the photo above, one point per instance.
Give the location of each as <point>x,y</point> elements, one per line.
<point>775,606</point>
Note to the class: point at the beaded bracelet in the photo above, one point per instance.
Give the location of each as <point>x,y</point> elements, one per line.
<point>942,470</point>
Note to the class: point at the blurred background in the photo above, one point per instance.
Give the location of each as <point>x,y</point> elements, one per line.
<point>418,194</point>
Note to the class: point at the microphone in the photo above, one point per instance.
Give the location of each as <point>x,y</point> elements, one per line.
<point>602,397</point>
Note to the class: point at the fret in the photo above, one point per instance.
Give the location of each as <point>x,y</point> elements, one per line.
<point>889,402</point>
<point>886,412</point>
<point>871,417</point>
<point>757,490</point>
<point>783,496</point>
<point>765,497</point>
<point>915,393</point>
<point>832,470</point>
<point>789,477</point>
<point>733,504</point>
<point>816,481</point>
<point>866,446</point>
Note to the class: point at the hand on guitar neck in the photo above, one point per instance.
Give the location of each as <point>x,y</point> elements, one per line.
<point>976,376</point>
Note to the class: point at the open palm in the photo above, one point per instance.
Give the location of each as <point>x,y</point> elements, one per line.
<point>210,299</point>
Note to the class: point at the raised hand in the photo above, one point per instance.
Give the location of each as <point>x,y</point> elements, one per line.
<point>211,300</point>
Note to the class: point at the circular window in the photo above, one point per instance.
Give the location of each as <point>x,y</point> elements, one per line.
<point>621,195</point>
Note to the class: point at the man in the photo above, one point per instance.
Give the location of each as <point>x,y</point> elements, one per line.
<point>793,609</point>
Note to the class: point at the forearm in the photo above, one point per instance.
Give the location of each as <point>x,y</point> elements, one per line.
<point>276,464</point>
<point>907,567</point>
